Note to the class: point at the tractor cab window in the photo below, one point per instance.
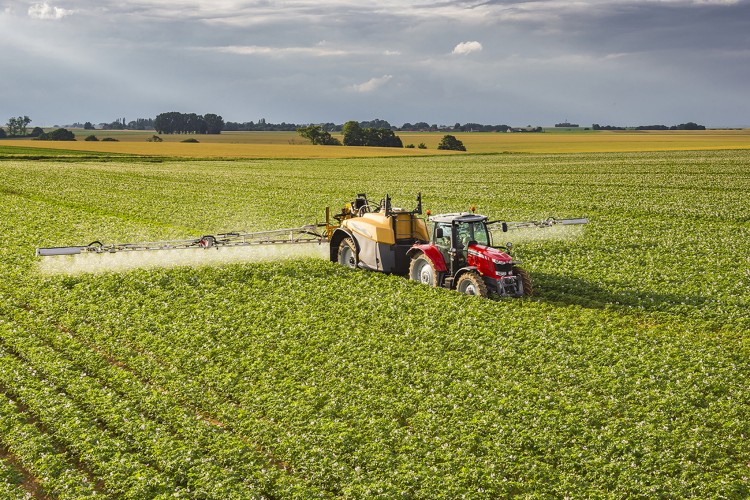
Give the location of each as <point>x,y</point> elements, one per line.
<point>473,232</point>
<point>443,235</point>
<point>442,239</point>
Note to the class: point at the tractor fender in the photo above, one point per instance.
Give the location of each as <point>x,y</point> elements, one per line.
<point>336,238</point>
<point>464,270</point>
<point>432,252</point>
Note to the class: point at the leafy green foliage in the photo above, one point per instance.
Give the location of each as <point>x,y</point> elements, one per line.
<point>175,122</point>
<point>356,135</point>
<point>17,125</point>
<point>625,376</point>
<point>450,142</point>
<point>58,134</point>
<point>10,482</point>
<point>316,135</point>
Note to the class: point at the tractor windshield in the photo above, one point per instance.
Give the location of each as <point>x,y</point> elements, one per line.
<point>473,231</point>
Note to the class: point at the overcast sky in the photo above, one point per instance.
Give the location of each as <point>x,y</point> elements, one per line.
<point>515,62</point>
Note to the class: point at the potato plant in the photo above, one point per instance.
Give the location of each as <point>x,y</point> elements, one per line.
<point>624,376</point>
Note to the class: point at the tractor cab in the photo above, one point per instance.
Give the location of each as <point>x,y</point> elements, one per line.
<point>453,233</point>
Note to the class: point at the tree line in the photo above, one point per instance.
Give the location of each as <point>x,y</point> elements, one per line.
<point>175,122</point>
<point>681,126</point>
<point>354,135</point>
<point>375,132</point>
<point>263,126</point>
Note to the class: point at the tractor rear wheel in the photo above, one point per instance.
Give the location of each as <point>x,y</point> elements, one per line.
<point>528,287</point>
<point>347,255</point>
<point>423,270</point>
<point>471,283</point>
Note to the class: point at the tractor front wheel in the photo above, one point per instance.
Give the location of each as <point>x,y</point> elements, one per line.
<point>471,283</point>
<point>347,255</point>
<point>523,275</point>
<point>423,270</point>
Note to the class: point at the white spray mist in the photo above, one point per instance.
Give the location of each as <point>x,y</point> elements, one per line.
<point>123,261</point>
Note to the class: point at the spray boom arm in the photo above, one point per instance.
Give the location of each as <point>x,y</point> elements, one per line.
<point>549,222</point>
<point>304,234</point>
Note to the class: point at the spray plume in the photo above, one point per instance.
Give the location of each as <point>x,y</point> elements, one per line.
<point>123,261</point>
<point>532,234</point>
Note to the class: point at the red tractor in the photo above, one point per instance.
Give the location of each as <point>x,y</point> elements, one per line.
<point>460,256</point>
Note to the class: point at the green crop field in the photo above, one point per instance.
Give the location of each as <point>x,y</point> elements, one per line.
<point>626,375</point>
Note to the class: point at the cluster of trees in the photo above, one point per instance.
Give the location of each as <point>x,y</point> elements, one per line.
<point>450,142</point>
<point>94,138</point>
<point>681,126</point>
<point>140,124</point>
<point>262,126</point>
<point>17,126</point>
<point>188,123</point>
<point>59,134</point>
<point>466,127</point>
<point>356,135</point>
<point>117,124</point>
<point>318,136</point>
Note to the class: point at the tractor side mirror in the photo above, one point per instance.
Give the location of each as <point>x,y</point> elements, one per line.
<point>439,232</point>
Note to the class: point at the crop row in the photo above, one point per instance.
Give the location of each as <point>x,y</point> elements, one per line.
<point>196,454</point>
<point>626,376</point>
<point>336,399</point>
<point>11,482</point>
<point>40,455</point>
<point>662,222</point>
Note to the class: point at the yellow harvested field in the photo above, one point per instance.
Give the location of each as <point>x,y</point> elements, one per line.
<point>224,150</point>
<point>590,142</point>
<point>291,145</point>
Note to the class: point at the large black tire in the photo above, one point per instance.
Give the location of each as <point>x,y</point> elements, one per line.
<point>348,255</point>
<point>471,283</point>
<point>422,269</point>
<point>528,287</point>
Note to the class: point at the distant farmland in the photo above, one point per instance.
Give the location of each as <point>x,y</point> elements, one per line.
<point>291,145</point>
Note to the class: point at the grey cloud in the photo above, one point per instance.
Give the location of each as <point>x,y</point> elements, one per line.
<point>590,61</point>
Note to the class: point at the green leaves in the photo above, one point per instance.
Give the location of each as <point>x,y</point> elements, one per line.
<point>625,376</point>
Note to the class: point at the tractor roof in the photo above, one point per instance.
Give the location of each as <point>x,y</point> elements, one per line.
<point>462,217</point>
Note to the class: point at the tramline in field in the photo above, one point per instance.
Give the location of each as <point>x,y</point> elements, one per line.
<point>456,252</point>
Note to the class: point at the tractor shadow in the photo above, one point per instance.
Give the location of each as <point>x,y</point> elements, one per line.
<point>575,291</point>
